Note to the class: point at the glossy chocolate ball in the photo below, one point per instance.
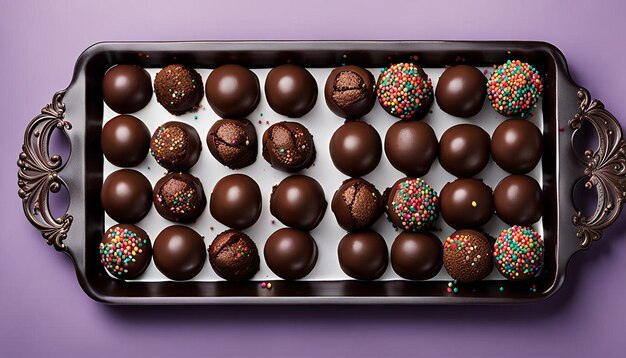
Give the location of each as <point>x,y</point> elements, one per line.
<point>233,142</point>
<point>298,201</point>
<point>126,196</point>
<point>411,147</point>
<point>349,91</point>
<point>125,141</point>
<point>179,252</point>
<point>288,146</point>
<point>179,197</point>
<point>125,251</point>
<point>461,91</point>
<point>290,90</point>
<point>126,88</point>
<point>355,148</point>
<point>416,256</point>
<point>234,256</point>
<point>468,256</point>
<point>464,150</point>
<point>363,255</point>
<point>233,91</point>
<point>290,253</point>
<point>178,88</point>
<point>517,145</point>
<point>518,200</point>
<point>412,204</point>
<point>176,146</point>
<point>466,203</point>
<point>236,201</point>
<point>357,204</point>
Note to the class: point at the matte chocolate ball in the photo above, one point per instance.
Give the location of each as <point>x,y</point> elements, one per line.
<point>518,200</point>
<point>411,147</point>
<point>355,148</point>
<point>179,197</point>
<point>288,146</point>
<point>179,252</point>
<point>291,90</point>
<point>234,256</point>
<point>126,88</point>
<point>363,255</point>
<point>357,204</point>
<point>176,146</point>
<point>125,251</point>
<point>464,150</point>
<point>416,256</point>
<point>298,201</point>
<point>466,203</point>
<point>290,253</point>
<point>517,145</point>
<point>125,141</point>
<point>178,88</point>
<point>349,91</point>
<point>233,91</point>
<point>126,196</point>
<point>236,201</point>
<point>461,91</point>
<point>233,142</point>
<point>467,256</point>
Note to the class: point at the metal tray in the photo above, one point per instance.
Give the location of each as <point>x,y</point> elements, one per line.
<point>78,113</point>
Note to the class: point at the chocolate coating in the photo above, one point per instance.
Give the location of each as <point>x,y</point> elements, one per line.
<point>126,88</point>
<point>233,142</point>
<point>467,256</point>
<point>234,256</point>
<point>355,148</point>
<point>290,90</point>
<point>233,91</point>
<point>178,88</point>
<point>179,197</point>
<point>416,256</point>
<point>298,201</point>
<point>518,200</point>
<point>176,146</point>
<point>288,146</point>
<point>125,141</point>
<point>290,253</point>
<point>517,145</point>
<point>363,255</point>
<point>466,203</point>
<point>236,201</point>
<point>126,196</point>
<point>403,199</point>
<point>179,252</point>
<point>411,147</point>
<point>125,251</point>
<point>461,91</point>
<point>349,91</point>
<point>464,150</point>
<point>357,204</point>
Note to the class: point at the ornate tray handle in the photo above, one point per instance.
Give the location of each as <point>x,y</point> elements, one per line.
<point>38,173</point>
<point>605,169</point>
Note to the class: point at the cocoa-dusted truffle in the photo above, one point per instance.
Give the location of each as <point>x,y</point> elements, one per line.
<point>126,196</point>
<point>125,251</point>
<point>298,201</point>
<point>232,91</point>
<point>355,148</point>
<point>349,91</point>
<point>461,91</point>
<point>178,88</point>
<point>179,197</point>
<point>416,255</point>
<point>405,91</point>
<point>126,88</point>
<point>290,253</point>
<point>517,145</point>
<point>291,90</point>
<point>412,204</point>
<point>176,146</point>
<point>233,142</point>
<point>288,146</point>
<point>466,203</point>
<point>467,256</point>
<point>125,141</point>
<point>179,252</point>
<point>357,204</point>
<point>464,150</point>
<point>411,147</point>
<point>363,255</point>
<point>234,256</point>
<point>518,200</point>
<point>518,253</point>
<point>236,201</point>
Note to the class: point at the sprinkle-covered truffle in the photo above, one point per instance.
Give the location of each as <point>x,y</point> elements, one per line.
<point>518,253</point>
<point>514,88</point>
<point>405,91</point>
<point>467,256</point>
<point>125,251</point>
<point>412,204</point>
<point>175,146</point>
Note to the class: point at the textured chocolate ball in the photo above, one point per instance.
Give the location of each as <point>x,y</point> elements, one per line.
<point>126,88</point>
<point>298,201</point>
<point>126,196</point>
<point>461,91</point>
<point>517,145</point>
<point>288,146</point>
<point>125,141</point>
<point>411,147</point>
<point>467,256</point>
<point>290,90</point>
<point>176,146</point>
<point>464,150</point>
<point>233,91</point>
<point>349,91</point>
<point>412,204</point>
<point>290,253</point>
<point>178,88</point>
<point>355,148</point>
<point>233,142</point>
<point>179,197</point>
<point>518,200</point>
<point>363,255</point>
<point>405,91</point>
<point>357,204</point>
<point>234,256</point>
<point>416,256</point>
<point>466,203</point>
<point>236,201</point>
<point>125,251</point>
<point>179,252</point>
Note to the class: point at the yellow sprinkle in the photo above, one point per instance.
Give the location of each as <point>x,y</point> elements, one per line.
<point>269,285</point>
<point>474,204</point>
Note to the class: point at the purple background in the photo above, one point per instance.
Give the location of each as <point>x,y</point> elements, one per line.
<point>43,311</point>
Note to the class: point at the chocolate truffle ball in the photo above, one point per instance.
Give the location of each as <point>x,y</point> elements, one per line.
<point>298,201</point>
<point>176,146</point>
<point>363,255</point>
<point>466,203</point>
<point>464,150</point>
<point>126,196</point>
<point>125,251</point>
<point>290,253</point>
<point>125,141</point>
<point>349,91</point>
<point>232,91</point>
<point>236,201</point>
<point>178,88</point>
<point>234,256</point>
<point>288,146</point>
<point>357,204</point>
<point>405,91</point>
<point>179,252</point>
<point>518,253</point>
<point>518,200</point>
<point>517,145</point>
<point>179,197</point>
<point>412,204</point>
<point>411,147</point>
<point>126,88</point>
<point>467,256</point>
<point>290,90</point>
<point>514,88</point>
<point>233,142</point>
<point>461,91</point>
<point>355,148</point>
<point>416,255</point>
